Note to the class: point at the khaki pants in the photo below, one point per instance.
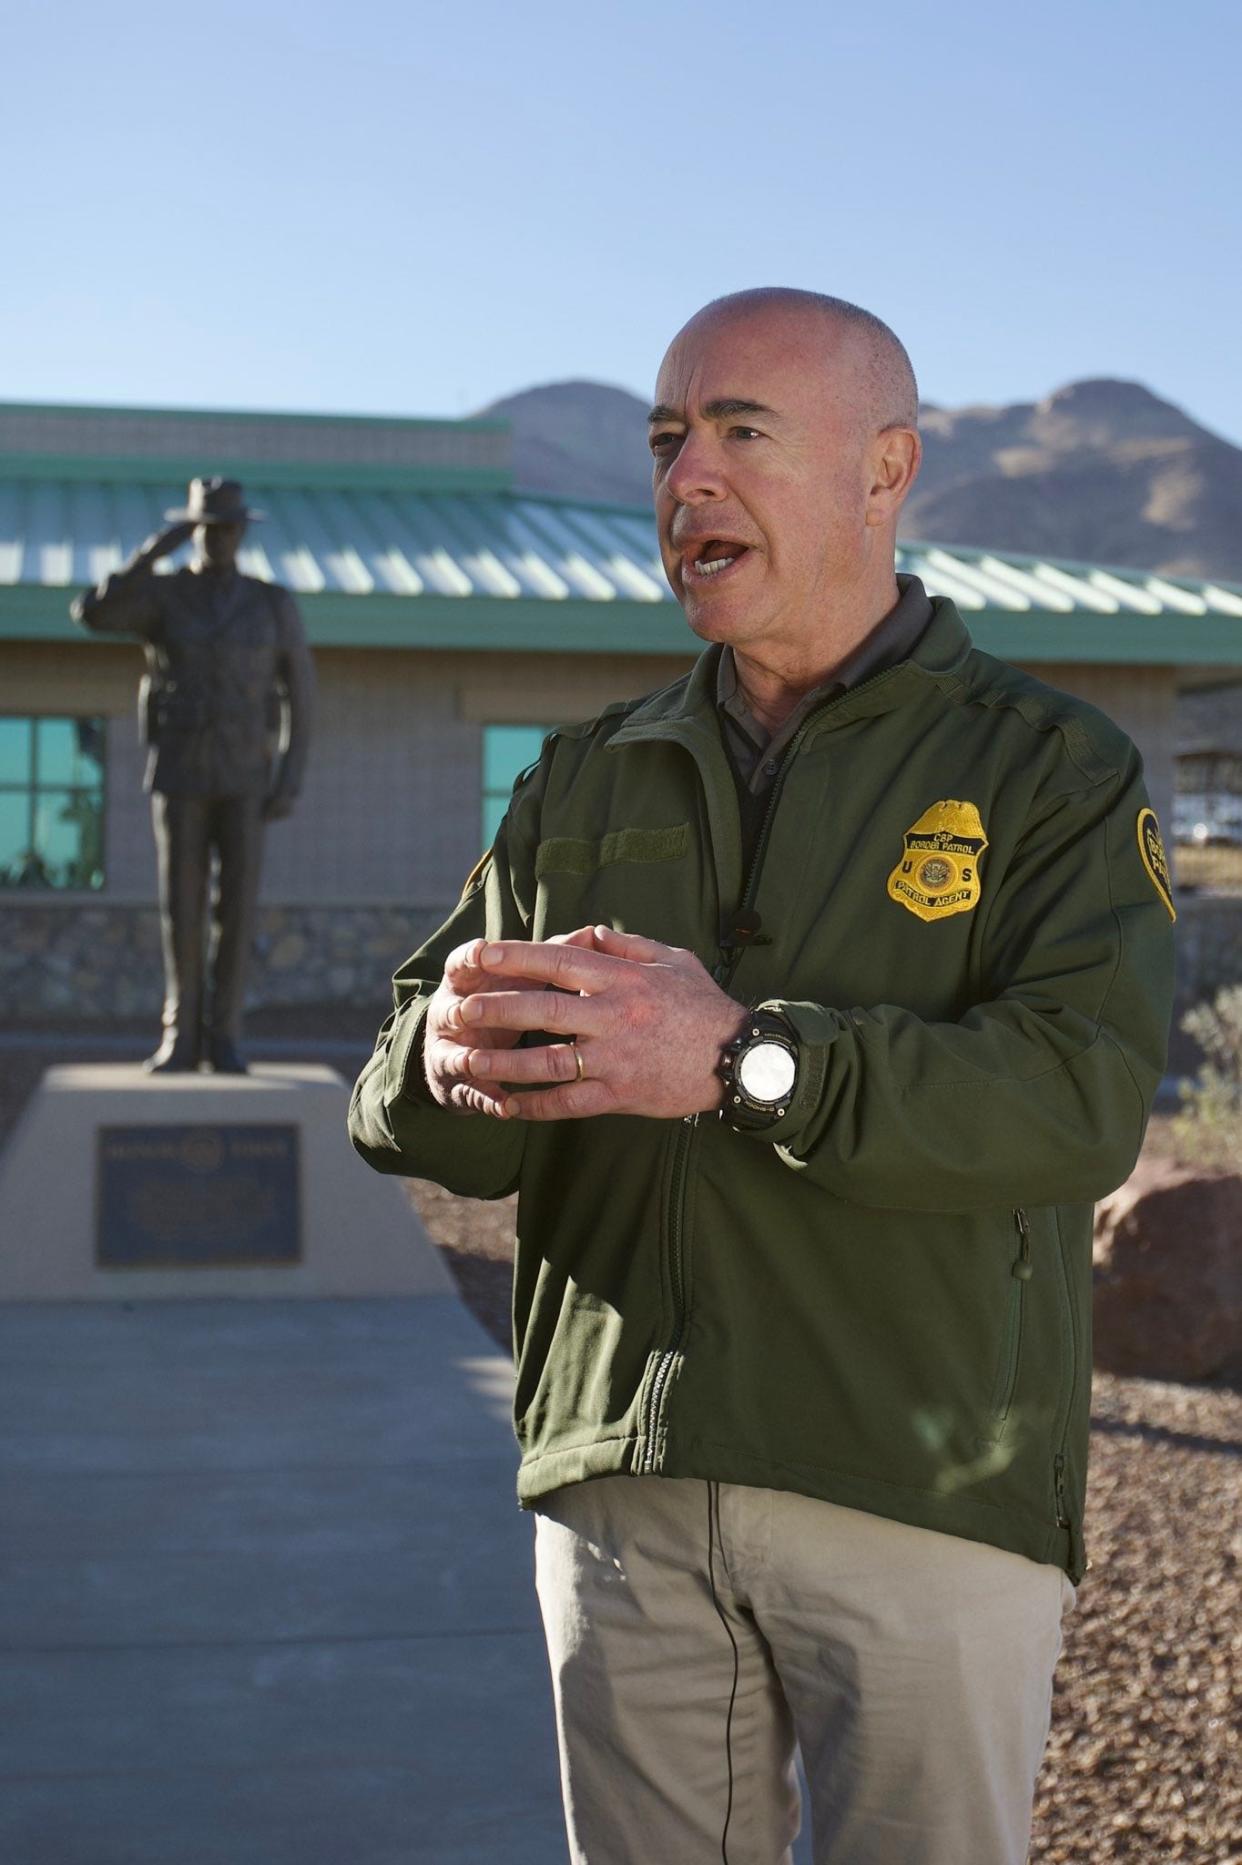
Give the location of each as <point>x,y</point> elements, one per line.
<point>696,1631</point>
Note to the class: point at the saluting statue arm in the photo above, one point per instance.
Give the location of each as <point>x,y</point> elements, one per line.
<point>128,601</point>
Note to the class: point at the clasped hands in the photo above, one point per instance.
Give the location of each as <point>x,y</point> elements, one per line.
<point>637,1027</point>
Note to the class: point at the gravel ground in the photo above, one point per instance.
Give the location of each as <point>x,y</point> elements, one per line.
<point>1145,1758</point>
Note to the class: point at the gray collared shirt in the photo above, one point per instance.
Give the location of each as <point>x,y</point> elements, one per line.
<point>756,756</point>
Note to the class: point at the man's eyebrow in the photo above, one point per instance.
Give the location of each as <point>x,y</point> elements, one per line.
<point>724,408</point>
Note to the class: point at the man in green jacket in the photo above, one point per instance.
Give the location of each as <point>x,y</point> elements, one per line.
<point>809,1004</point>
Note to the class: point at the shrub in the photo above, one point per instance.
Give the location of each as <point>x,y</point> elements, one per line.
<point>1209,1128</point>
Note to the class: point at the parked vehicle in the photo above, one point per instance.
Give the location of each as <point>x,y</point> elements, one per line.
<point>1206,821</point>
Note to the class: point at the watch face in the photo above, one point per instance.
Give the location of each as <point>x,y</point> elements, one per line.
<point>766,1073</point>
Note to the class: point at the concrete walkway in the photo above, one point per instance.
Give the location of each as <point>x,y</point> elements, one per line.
<point>265,1593</point>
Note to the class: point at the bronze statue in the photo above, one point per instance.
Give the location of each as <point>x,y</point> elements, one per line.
<point>225,708</point>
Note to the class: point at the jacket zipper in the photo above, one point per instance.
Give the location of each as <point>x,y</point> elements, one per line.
<point>728,963</point>
<point>731,956</point>
<point>729,960</point>
<point>1063,1517</point>
<point>655,1398</point>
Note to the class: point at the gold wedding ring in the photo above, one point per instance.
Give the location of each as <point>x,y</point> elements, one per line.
<point>578,1061</point>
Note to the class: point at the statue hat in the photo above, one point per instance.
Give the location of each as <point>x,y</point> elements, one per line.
<point>215,502</point>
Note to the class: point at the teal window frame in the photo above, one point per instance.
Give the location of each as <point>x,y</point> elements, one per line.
<point>41,789</point>
<point>508,748</point>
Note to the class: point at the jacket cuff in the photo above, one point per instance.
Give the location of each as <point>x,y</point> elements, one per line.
<point>816,1028</point>
<point>404,1079</point>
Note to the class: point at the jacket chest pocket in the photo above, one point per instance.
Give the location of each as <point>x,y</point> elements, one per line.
<point>635,879</point>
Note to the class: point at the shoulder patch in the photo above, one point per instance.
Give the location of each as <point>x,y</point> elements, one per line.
<point>1151,848</point>
<point>938,873</point>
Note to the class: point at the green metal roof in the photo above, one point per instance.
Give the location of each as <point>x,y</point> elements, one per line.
<point>394,554</point>
<point>292,418</point>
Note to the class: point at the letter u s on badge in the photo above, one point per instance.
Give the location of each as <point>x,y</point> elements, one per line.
<point>938,873</point>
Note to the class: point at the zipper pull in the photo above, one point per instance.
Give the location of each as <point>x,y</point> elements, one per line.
<point>739,928</point>
<point>1022,1266</point>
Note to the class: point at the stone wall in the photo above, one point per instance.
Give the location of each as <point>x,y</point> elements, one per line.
<point>99,961</point>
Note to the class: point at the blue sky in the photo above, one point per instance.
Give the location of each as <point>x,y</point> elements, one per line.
<point>390,207</point>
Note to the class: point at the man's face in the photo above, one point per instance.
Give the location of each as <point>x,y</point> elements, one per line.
<point>217,545</point>
<point>760,476</point>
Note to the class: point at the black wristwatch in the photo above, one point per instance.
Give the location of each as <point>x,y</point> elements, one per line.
<point>760,1072</point>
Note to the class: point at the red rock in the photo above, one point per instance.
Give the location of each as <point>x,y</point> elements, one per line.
<point>1168,1274</point>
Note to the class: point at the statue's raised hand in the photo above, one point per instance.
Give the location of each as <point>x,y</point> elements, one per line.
<point>164,543</point>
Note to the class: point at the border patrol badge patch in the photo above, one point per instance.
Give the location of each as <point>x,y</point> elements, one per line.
<point>1151,848</point>
<point>938,873</point>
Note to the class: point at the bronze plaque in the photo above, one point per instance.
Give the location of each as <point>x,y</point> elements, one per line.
<point>197,1197</point>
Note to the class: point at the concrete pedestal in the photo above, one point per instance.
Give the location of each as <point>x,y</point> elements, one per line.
<point>358,1234</point>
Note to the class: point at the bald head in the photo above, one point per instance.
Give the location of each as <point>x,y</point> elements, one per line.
<point>879,370</point>
<point>784,442</point>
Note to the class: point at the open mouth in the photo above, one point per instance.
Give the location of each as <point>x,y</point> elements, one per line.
<point>715,556</point>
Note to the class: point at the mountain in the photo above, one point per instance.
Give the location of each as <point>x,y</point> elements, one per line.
<point>1100,470</point>
<point>581,439</point>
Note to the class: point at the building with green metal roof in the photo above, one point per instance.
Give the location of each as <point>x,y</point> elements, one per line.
<point>453,619</point>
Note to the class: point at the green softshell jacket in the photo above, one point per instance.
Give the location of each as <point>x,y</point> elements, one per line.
<point>885,1300</point>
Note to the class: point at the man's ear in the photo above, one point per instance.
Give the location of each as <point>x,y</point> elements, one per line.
<point>896,455</point>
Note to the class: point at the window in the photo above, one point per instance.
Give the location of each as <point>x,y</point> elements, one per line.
<point>1212,773</point>
<point>51,802</point>
<point>507,750</point>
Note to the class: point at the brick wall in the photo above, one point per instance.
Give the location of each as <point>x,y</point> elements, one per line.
<point>389,821</point>
<point>164,434</point>
<point>1141,701</point>
<point>1209,946</point>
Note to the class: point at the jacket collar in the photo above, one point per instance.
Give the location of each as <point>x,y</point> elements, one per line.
<point>689,704</point>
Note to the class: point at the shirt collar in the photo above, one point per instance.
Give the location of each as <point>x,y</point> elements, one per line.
<point>889,642</point>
